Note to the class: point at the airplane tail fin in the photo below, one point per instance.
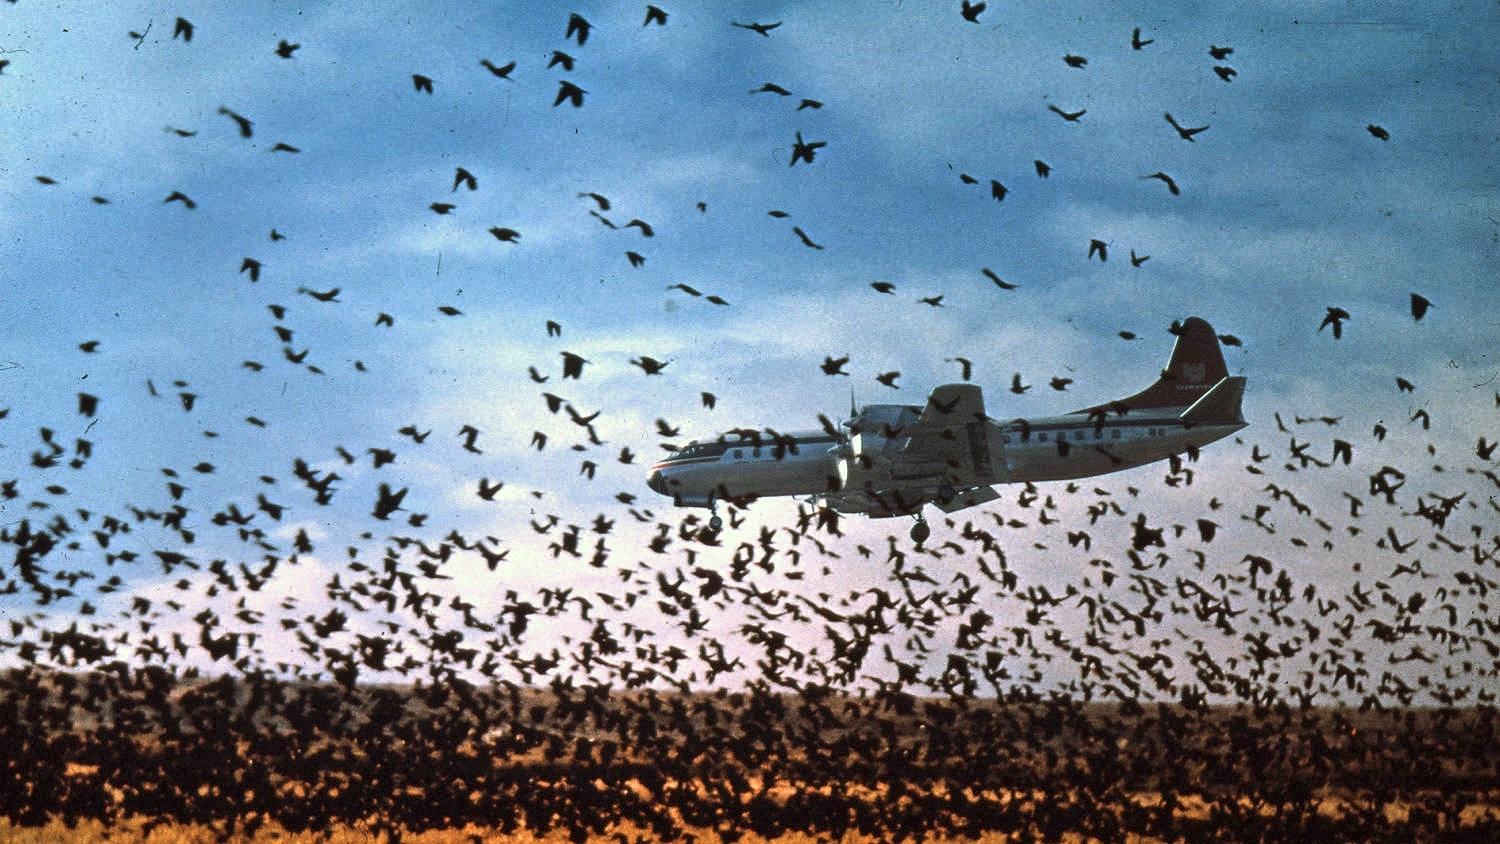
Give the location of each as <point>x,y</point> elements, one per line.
<point>1195,367</point>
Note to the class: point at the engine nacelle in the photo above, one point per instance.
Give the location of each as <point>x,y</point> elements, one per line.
<point>862,463</point>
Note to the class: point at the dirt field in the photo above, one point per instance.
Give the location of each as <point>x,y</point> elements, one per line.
<point>141,756</point>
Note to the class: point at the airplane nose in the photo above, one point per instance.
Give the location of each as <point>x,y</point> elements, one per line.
<point>656,482</point>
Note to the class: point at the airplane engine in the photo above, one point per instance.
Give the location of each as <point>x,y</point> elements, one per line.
<point>862,463</point>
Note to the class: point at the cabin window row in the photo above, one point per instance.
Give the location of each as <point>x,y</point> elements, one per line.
<point>1078,435</point>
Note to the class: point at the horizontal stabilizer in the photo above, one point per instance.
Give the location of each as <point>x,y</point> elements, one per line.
<point>1221,404</point>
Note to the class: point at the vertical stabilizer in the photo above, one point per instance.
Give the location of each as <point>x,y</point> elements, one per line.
<point>1196,365</point>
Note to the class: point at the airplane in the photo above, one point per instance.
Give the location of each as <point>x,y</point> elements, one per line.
<point>891,460</point>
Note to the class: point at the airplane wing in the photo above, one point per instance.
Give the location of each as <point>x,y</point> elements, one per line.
<point>954,439</point>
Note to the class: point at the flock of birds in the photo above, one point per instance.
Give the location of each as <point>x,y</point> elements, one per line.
<point>606,666</point>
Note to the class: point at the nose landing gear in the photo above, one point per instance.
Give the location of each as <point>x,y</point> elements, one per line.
<point>714,522</point>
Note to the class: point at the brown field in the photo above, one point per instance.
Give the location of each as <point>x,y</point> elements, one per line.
<point>141,756</point>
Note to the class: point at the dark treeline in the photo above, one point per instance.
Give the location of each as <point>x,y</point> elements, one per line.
<point>236,752</point>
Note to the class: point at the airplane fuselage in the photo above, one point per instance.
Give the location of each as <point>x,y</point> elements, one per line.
<point>1054,448</point>
<point>890,459</point>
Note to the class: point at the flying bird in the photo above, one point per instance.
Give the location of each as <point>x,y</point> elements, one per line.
<point>579,27</point>
<point>251,266</point>
<point>762,28</point>
<point>834,366</point>
<point>568,91</point>
<point>1070,116</point>
<point>889,378</point>
<point>1136,42</point>
<point>179,196</point>
<point>971,11</point>
<point>1137,260</point>
<point>999,282</point>
<point>1075,61</point>
<point>1016,386</point>
<point>183,29</point>
<point>244,123</point>
<point>805,239</point>
<point>285,49</point>
<point>572,365</point>
<point>502,71</point>
<point>884,287</point>
<point>1043,169</point>
<point>1100,248</point>
<point>806,150</point>
<point>1335,317</point>
<point>505,235</point>
<point>1419,306</point>
<point>656,16</point>
<point>997,190</point>
<point>1184,132</point>
<point>1166,180</point>
<point>442,207</point>
<point>421,83</point>
<point>650,365</point>
<point>464,177</point>
<point>561,58</point>
<point>1219,53</point>
<point>1379,132</point>
<point>1225,72</point>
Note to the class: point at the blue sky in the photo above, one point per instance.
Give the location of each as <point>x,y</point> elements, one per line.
<point>1288,206</point>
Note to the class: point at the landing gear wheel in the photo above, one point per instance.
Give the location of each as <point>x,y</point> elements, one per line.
<point>920,531</point>
<point>715,523</point>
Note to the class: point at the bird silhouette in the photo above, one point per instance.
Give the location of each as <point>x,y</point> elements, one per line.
<point>245,126</point>
<point>835,366</point>
<point>1070,116</point>
<point>1100,248</point>
<point>423,84</point>
<point>999,282</point>
<point>806,150</point>
<point>183,29</point>
<point>1184,132</point>
<point>567,91</point>
<point>1166,180</point>
<point>285,49</point>
<point>970,11</point>
<point>1334,317</point>
<point>578,27</point>
<point>1419,306</point>
<point>1136,42</point>
<point>1378,132</point>
<point>761,28</point>
<point>465,178</point>
<point>502,71</point>
<point>656,16</point>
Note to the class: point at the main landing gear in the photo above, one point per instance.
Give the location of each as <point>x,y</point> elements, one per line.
<point>715,523</point>
<point>921,530</point>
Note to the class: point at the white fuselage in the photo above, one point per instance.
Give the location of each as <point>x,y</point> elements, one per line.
<point>1046,449</point>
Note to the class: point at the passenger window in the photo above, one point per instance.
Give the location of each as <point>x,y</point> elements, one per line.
<point>739,454</point>
<point>1042,437</point>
